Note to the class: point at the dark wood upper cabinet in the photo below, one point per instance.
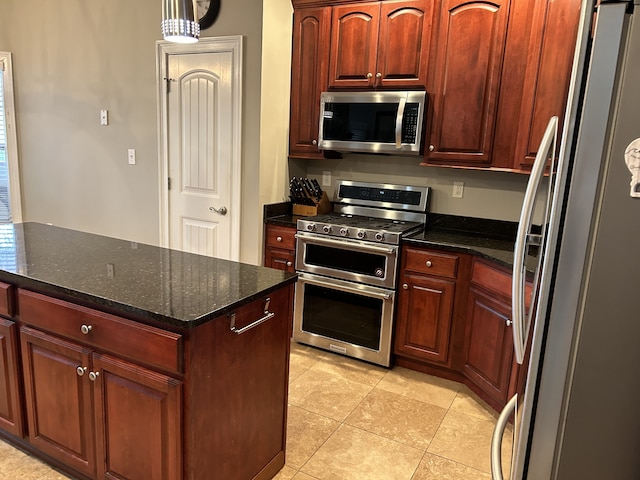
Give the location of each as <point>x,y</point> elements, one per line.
<point>464,89</point>
<point>548,74</point>
<point>380,44</point>
<point>309,64</point>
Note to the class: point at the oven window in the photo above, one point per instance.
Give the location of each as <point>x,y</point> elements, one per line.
<point>345,260</point>
<point>344,316</point>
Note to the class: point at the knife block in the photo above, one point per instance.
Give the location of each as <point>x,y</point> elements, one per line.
<point>323,206</point>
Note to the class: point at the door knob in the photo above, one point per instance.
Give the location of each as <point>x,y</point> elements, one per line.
<point>221,211</point>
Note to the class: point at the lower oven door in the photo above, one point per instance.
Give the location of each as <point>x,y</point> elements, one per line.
<point>344,317</point>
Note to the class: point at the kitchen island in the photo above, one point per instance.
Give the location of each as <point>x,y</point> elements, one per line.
<point>123,360</point>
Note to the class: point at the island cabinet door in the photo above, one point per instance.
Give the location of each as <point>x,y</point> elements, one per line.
<point>11,419</point>
<point>138,421</point>
<point>58,399</point>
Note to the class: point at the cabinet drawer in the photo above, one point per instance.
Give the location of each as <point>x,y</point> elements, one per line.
<point>496,281</point>
<point>430,263</point>
<point>6,299</point>
<point>281,237</point>
<point>112,334</point>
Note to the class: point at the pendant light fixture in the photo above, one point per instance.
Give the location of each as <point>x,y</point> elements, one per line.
<point>179,22</point>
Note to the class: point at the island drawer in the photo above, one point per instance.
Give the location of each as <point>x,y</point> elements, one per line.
<point>281,237</point>
<point>109,333</point>
<point>6,299</point>
<point>431,263</point>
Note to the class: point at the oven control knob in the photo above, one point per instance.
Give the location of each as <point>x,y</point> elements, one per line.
<point>326,229</point>
<point>361,234</point>
<point>311,227</point>
<point>379,236</point>
<point>344,232</point>
<point>379,273</point>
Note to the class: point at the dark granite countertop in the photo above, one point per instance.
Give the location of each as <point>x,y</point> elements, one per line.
<point>135,280</point>
<point>492,240</point>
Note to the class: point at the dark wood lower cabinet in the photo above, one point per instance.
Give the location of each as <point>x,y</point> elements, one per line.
<point>138,421</point>
<point>11,417</point>
<point>99,414</point>
<point>58,399</point>
<point>213,406</point>
<point>489,346</point>
<point>425,312</point>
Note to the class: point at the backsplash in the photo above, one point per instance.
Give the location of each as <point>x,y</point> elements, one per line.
<point>487,194</point>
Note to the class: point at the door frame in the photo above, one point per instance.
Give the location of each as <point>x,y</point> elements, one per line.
<point>164,49</point>
<point>15,195</point>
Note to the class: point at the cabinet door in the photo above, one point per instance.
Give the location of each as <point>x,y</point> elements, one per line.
<point>309,66</point>
<point>423,324</point>
<point>138,421</point>
<point>280,259</point>
<point>10,407</point>
<point>404,43</point>
<point>464,91</point>
<point>548,74</point>
<point>58,399</point>
<point>489,346</point>
<point>354,44</point>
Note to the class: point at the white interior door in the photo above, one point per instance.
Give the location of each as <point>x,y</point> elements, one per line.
<point>200,86</point>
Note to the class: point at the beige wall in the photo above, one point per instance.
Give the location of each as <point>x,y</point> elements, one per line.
<point>276,80</point>
<point>71,59</point>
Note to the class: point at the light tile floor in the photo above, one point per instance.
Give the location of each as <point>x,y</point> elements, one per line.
<point>350,420</point>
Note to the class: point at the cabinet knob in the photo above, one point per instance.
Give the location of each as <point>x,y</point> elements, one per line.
<point>369,75</point>
<point>378,75</point>
<point>508,322</point>
<point>405,286</point>
<point>428,263</point>
<point>315,142</point>
<point>289,264</point>
<point>93,376</point>
<point>86,329</point>
<point>431,148</point>
<point>80,371</point>
<point>278,239</point>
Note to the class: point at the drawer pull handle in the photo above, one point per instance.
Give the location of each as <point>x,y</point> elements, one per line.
<point>278,239</point>
<point>267,316</point>
<point>93,376</point>
<point>86,329</point>
<point>428,264</point>
<point>80,371</point>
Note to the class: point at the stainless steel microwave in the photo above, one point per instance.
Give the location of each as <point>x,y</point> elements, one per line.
<point>373,122</point>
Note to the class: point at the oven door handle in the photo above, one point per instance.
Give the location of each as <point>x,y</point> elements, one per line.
<point>343,287</point>
<point>341,243</point>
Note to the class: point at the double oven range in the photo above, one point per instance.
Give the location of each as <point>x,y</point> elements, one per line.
<point>348,262</point>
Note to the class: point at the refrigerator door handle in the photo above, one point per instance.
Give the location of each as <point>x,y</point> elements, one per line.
<point>496,439</point>
<point>524,238</point>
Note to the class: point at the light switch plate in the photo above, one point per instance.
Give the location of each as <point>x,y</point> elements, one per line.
<point>326,179</point>
<point>104,117</point>
<point>132,156</point>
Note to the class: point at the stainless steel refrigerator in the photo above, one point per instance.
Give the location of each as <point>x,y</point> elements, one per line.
<point>579,416</point>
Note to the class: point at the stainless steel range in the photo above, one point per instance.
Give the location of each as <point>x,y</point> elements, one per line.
<point>348,263</point>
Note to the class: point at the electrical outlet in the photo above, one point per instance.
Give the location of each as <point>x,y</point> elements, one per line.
<point>110,270</point>
<point>326,179</point>
<point>104,117</point>
<point>458,189</point>
<point>132,156</point>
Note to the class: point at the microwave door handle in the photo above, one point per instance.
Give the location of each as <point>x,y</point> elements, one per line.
<point>399,117</point>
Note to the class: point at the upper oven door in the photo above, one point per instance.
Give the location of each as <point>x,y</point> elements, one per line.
<point>376,122</point>
<point>347,259</point>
